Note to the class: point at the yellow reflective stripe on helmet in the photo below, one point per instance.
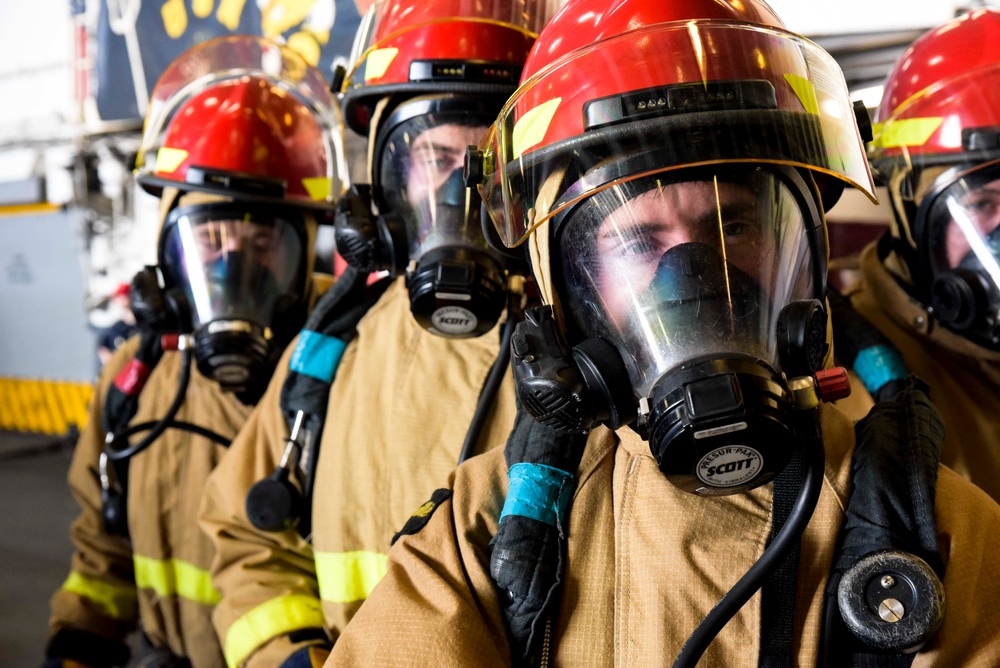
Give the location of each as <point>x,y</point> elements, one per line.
<point>532,126</point>
<point>169,577</point>
<point>168,159</point>
<point>348,576</point>
<point>805,91</point>
<point>319,187</point>
<point>378,62</point>
<point>119,601</point>
<point>268,620</point>
<point>906,132</point>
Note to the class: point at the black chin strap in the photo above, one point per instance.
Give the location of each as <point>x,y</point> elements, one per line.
<point>888,244</point>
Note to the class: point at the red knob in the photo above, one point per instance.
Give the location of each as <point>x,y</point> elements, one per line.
<point>169,341</point>
<point>833,384</point>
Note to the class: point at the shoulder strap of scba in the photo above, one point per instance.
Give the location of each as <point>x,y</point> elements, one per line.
<point>884,599</point>
<point>886,561</point>
<point>528,553</point>
<point>122,399</point>
<point>313,366</point>
<point>120,405</point>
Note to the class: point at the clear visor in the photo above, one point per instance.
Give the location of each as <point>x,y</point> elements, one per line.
<point>386,19</point>
<point>700,93</point>
<point>963,226</point>
<point>233,264</point>
<point>668,270</point>
<point>421,180</point>
<point>231,58</point>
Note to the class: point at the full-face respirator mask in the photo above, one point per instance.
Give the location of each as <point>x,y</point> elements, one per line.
<point>694,297</point>
<point>957,230</point>
<point>429,224</point>
<point>232,275</point>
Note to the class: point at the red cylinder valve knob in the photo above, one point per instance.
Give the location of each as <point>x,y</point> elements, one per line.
<point>833,384</point>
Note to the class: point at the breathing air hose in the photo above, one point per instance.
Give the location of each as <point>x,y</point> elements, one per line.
<point>157,427</point>
<point>753,579</point>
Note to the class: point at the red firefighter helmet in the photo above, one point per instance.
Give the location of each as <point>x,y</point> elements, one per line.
<point>937,147</point>
<point>246,118</point>
<point>686,83</point>
<point>947,81</point>
<point>414,47</point>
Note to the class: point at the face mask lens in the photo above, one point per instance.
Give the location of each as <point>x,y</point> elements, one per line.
<point>232,265</point>
<point>422,165</point>
<point>673,270</point>
<point>961,243</point>
<point>965,227</point>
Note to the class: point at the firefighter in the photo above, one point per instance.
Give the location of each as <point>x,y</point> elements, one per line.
<point>931,285</point>
<point>415,384</point>
<point>241,148</point>
<point>668,166</point>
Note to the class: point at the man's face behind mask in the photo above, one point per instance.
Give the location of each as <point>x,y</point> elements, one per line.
<point>959,236</point>
<point>233,267</point>
<point>669,270</point>
<point>971,220</point>
<point>422,164</point>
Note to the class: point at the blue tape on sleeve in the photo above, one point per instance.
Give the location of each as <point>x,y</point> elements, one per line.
<point>317,355</point>
<point>877,365</point>
<point>540,492</point>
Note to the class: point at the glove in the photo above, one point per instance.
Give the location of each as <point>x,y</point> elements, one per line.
<point>71,648</point>
<point>313,656</point>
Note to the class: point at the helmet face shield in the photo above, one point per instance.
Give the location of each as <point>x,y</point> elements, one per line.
<point>700,92</point>
<point>248,107</point>
<point>685,264</point>
<point>383,32</point>
<point>419,176</point>
<point>234,263</point>
<point>414,47</point>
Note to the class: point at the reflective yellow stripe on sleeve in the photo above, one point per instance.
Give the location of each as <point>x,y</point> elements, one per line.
<point>168,577</point>
<point>269,620</point>
<point>119,601</point>
<point>348,576</point>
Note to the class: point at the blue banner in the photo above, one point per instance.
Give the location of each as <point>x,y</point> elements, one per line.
<point>156,33</point>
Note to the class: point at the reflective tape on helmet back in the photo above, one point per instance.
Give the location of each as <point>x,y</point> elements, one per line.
<point>530,129</point>
<point>348,576</point>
